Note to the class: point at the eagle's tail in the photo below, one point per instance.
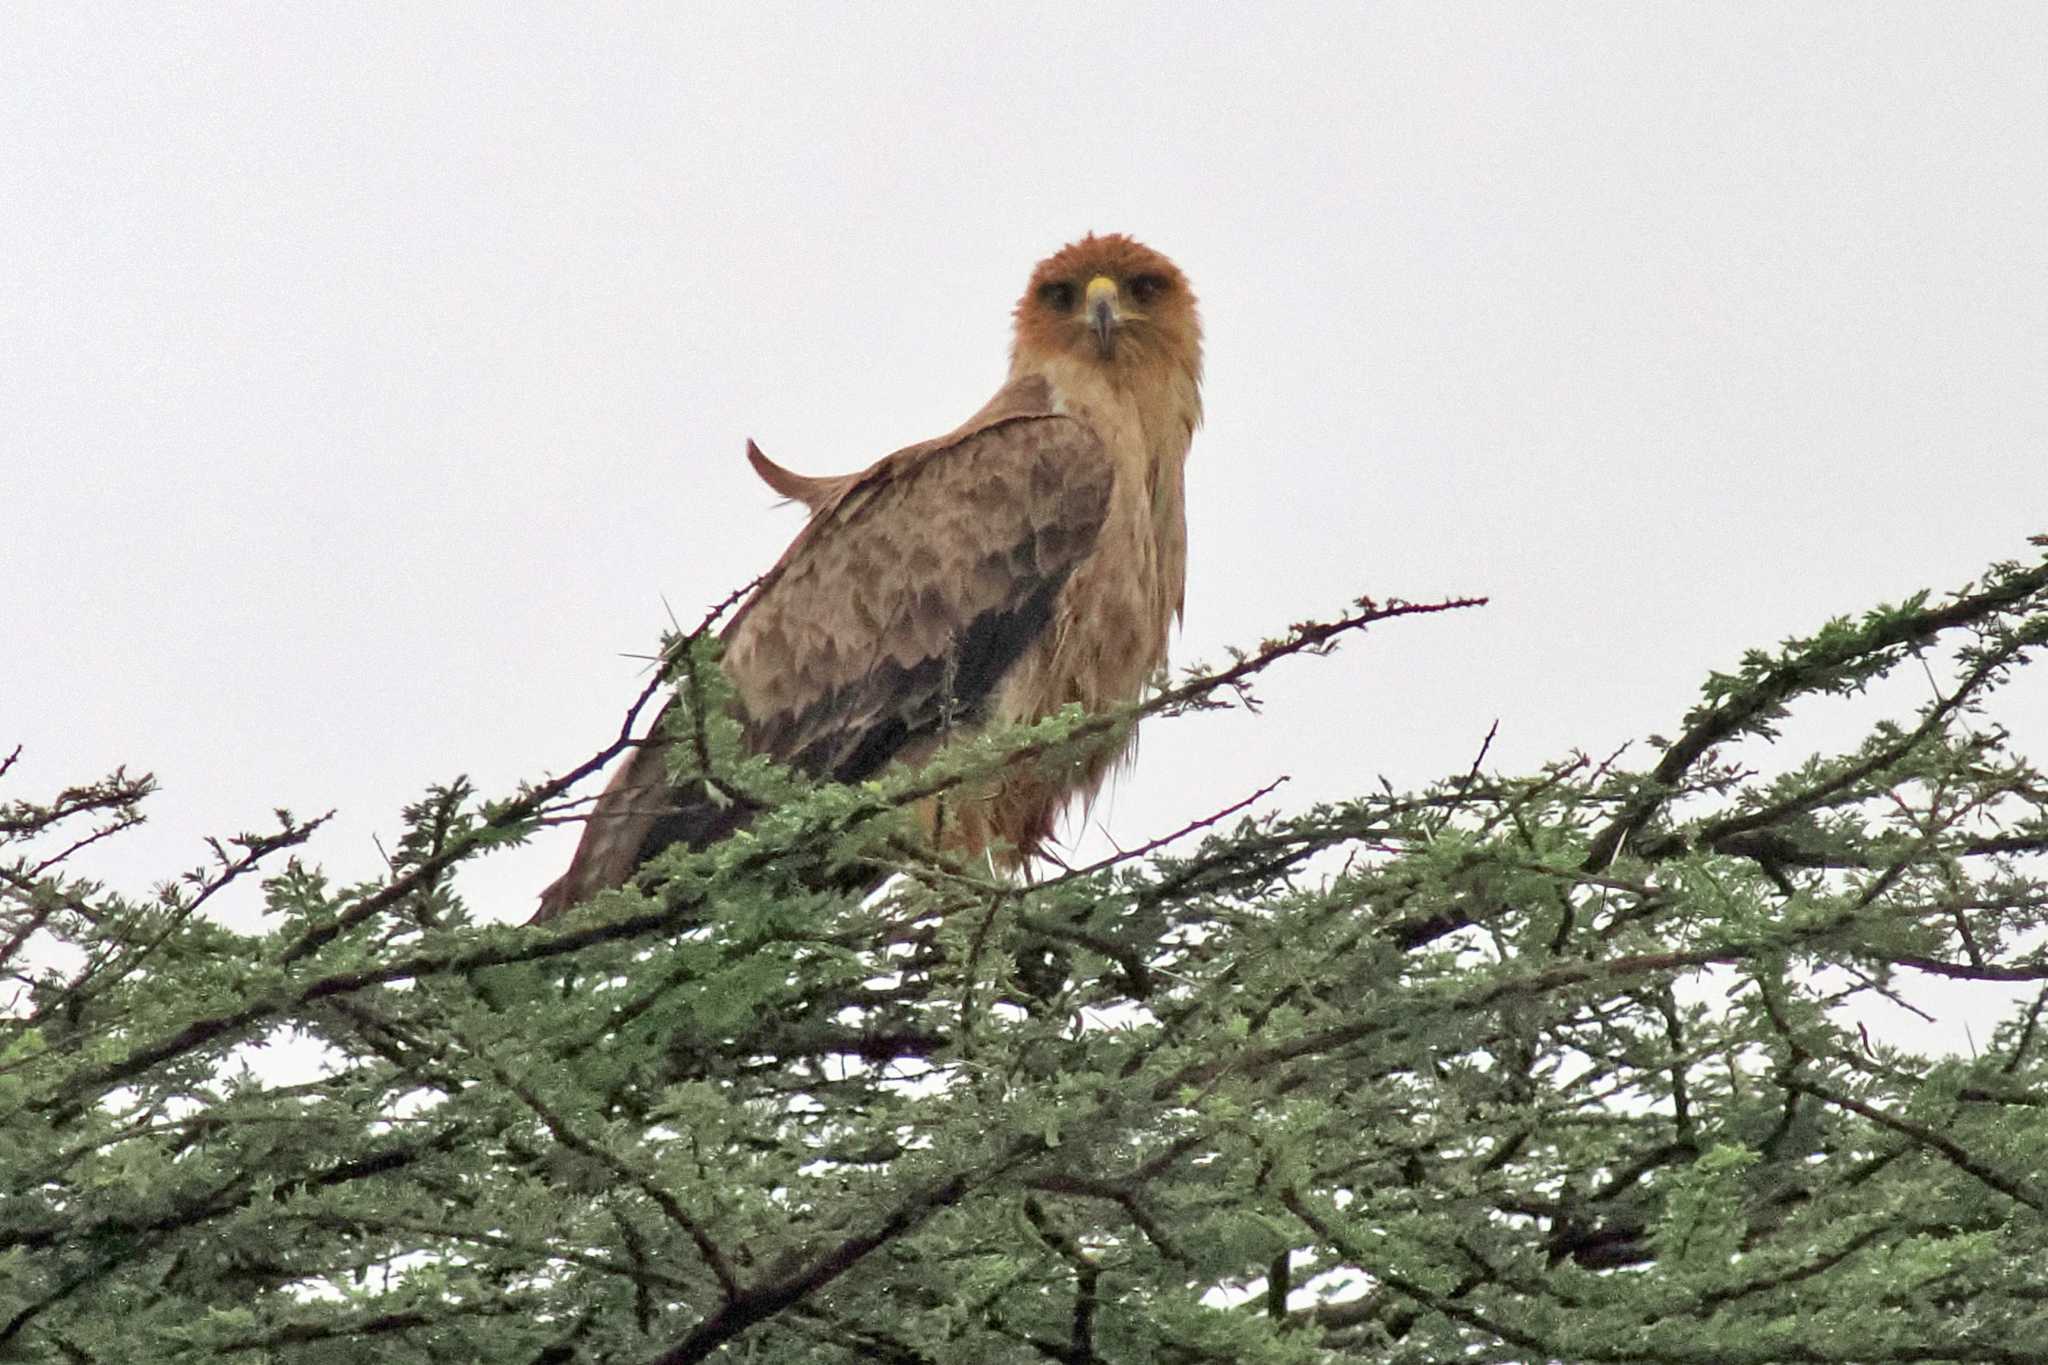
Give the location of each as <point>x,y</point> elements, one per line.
<point>640,813</point>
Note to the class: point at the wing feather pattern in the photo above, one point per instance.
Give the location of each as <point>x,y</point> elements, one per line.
<point>894,615</point>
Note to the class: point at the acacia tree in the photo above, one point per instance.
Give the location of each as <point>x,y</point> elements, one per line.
<point>1556,1066</point>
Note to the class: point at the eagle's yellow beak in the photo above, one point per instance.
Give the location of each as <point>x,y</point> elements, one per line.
<point>1104,312</point>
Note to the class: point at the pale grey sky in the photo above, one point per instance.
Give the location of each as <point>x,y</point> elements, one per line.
<point>370,373</point>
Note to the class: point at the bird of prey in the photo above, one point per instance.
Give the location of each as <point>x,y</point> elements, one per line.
<point>1033,557</point>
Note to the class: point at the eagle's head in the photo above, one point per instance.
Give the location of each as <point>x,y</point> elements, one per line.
<point>1112,302</point>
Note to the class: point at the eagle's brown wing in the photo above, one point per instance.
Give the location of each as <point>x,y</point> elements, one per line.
<point>894,615</point>
<point>811,492</point>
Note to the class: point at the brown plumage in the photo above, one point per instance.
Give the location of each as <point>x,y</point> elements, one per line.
<point>1031,558</point>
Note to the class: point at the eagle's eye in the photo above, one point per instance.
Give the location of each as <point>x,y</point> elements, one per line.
<point>1058,295</point>
<point>1145,288</point>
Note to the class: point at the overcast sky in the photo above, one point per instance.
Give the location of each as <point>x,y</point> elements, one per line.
<point>370,374</point>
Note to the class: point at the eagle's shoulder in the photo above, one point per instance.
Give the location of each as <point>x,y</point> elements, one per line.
<point>917,584</point>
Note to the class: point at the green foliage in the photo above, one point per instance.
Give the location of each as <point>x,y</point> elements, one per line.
<point>1561,1066</point>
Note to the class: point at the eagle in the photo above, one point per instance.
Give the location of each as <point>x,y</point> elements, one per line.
<point>1032,558</point>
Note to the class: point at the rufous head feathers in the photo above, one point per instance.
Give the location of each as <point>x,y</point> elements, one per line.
<point>1114,302</point>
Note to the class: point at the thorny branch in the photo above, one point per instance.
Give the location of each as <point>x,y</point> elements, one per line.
<point>1309,1045</point>
<point>1797,672</point>
<point>541,943</point>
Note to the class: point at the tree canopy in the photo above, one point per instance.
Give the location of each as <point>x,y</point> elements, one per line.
<point>1565,1065</point>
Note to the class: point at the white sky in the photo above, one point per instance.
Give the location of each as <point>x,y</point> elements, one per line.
<point>369,374</point>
